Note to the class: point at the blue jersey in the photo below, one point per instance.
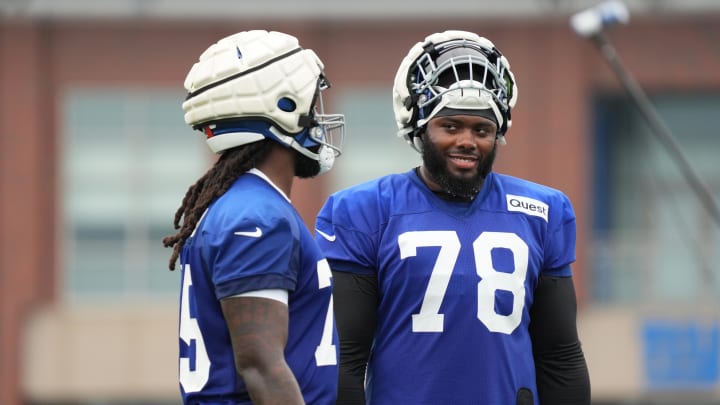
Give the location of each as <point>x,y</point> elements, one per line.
<point>251,238</point>
<point>455,280</point>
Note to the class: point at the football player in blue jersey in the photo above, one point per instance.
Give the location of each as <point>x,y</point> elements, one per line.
<point>452,282</point>
<point>256,306</point>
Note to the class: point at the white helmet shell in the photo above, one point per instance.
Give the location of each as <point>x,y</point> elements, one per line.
<point>257,76</point>
<point>452,69</point>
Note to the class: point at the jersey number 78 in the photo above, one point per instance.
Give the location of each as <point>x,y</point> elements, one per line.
<point>429,319</point>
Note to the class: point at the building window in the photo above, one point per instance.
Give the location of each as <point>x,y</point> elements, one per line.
<point>371,148</point>
<point>654,241</point>
<point>127,160</point>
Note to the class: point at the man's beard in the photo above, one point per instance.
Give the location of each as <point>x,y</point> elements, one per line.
<point>466,188</point>
<point>305,167</point>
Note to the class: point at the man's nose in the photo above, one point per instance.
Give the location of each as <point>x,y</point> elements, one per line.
<point>466,139</point>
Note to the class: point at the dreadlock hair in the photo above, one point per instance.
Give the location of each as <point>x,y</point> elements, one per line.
<point>230,165</point>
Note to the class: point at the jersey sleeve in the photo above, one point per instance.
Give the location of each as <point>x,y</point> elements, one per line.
<point>561,235</point>
<point>344,233</point>
<point>254,253</point>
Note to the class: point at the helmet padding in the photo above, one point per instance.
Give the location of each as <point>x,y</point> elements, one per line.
<point>259,84</point>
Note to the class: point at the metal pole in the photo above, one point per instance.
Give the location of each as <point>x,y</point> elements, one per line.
<point>659,129</point>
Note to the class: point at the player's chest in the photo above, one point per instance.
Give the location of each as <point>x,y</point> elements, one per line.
<point>425,245</point>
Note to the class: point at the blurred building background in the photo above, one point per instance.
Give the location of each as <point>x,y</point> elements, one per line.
<point>95,159</point>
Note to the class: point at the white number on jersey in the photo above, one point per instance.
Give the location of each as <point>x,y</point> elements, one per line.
<point>429,319</point>
<point>195,380</point>
<point>325,354</point>
<point>192,380</point>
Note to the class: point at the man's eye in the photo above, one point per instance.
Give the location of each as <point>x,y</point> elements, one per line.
<point>484,130</point>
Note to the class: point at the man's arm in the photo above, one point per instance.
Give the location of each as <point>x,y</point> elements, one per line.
<point>356,299</point>
<point>562,373</point>
<point>258,331</point>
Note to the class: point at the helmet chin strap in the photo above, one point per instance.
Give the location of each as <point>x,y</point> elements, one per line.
<point>325,155</point>
<point>326,159</point>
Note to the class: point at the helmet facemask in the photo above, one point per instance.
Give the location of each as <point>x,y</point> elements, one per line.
<point>324,135</point>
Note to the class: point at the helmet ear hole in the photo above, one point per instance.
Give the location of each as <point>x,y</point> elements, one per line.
<point>286,104</point>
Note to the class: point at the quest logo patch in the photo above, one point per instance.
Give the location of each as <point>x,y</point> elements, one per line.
<point>527,205</point>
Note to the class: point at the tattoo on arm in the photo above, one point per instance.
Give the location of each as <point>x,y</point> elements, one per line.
<point>258,330</point>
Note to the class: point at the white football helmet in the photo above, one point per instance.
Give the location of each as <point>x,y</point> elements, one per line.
<point>259,84</point>
<point>456,70</point>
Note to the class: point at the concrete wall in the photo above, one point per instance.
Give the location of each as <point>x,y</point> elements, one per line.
<point>131,355</point>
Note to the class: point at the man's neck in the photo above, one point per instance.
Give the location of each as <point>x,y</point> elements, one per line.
<point>279,167</point>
